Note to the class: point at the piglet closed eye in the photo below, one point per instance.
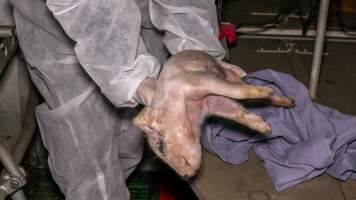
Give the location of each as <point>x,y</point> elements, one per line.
<point>192,86</point>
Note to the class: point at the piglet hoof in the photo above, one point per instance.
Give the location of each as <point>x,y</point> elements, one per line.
<point>264,128</point>
<point>283,101</point>
<point>256,123</point>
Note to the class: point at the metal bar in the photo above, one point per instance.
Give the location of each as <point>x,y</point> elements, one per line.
<point>13,170</point>
<point>11,45</point>
<point>283,37</point>
<point>25,138</point>
<point>292,32</point>
<point>11,162</point>
<point>6,31</point>
<point>8,162</point>
<point>318,47</point>
<point>273,14</point>
<point>29,128</point>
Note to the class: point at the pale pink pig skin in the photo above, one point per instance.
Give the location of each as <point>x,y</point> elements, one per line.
<point>192,86</point>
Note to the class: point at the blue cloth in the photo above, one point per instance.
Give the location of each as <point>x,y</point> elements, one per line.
<point>306,141</point>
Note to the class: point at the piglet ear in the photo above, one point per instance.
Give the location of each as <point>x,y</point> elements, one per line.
<point>144,120</point>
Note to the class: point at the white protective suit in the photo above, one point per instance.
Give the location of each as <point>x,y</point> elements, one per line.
<point>87,57</point>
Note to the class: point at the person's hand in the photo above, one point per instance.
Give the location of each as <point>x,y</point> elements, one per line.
<point>191,86</point>
<point>145,91</point>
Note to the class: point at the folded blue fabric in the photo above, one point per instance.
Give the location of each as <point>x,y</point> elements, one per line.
<point>306,141</point>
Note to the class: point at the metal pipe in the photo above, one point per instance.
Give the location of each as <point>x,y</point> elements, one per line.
<point>6,31</point>
<point>8,162</point>
<point>11,162</point>
<point>268,37</point>
<point>29,128</point>
<point>13,170</point>
<point>25,138</point>
<point>291,32</point>
<point>318,47</point>
<point>11,45</point>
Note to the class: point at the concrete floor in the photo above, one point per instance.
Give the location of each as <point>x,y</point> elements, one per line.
<point>219,180</point>
<point>337,83</point>
<point>249,181</point>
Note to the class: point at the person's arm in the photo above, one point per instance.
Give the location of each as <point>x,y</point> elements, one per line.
<point>108,44</point>
<point>188,25</point>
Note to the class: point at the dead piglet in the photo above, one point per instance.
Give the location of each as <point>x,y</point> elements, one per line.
<point>192,86</point>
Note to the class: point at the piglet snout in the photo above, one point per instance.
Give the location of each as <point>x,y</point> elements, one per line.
<point>188,168</point>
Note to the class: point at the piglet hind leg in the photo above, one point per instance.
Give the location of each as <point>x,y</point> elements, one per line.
<point>236,90</point>
<point>282,101</point>
<point>219,100</point>
<point>232,110</point>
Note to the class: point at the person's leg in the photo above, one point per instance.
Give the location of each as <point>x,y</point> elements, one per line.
<point>92,149</point>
